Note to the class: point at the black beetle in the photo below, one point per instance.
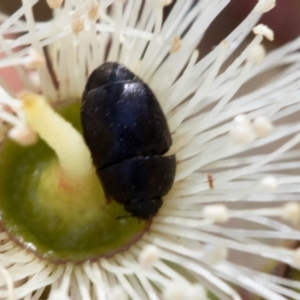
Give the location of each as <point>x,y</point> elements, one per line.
<point>127,133</point>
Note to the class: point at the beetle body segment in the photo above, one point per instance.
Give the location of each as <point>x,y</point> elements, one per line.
<point>123,119</point>
<point>138,177</point>
<point>127,133</point>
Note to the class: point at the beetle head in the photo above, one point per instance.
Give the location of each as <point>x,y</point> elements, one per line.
<point>143,208</point>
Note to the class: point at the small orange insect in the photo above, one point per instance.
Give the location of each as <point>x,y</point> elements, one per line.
<point>210,181</point>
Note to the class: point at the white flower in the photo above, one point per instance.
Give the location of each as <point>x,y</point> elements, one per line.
<point>237,153</point>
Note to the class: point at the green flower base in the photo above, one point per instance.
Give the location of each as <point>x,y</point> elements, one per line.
<point>59,227</point>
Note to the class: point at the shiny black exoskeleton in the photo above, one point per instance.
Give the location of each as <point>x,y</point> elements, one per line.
<point>127,134</point>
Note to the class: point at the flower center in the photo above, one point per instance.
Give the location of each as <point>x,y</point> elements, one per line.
<point>59,223</point>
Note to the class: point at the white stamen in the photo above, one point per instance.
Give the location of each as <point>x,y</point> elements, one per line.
<point>58,295</point>
<point>166,2</point>
<point>256,54</point>
<point>270,182</point>
<point>94,11</point>
<point>162,3</point>
<point>291,212</point>
<point>216,213</point>
<point>77,25</point>
<point>35,80</point>
<point>23,135</point>
<point>6,99</point>
<point>174,291</point>
<point>262,126</point>
<point>34,60</point>
<point>214,254</point>
<point>181,291</point>
<point>264,5</point>
<point>195,292</point>
<point>241,120</point>
<point>297,257</point>
<point>176,45</point>
<point>242,132</point>
<point>6,115</point>
<point>54,3</point>
<point>118,293</point>
<point>265,31</point>
<point>148,256</point>
<point>9,283</point>
<point>177,118</point>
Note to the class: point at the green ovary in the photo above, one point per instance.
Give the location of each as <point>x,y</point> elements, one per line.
<point>59,225</point>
